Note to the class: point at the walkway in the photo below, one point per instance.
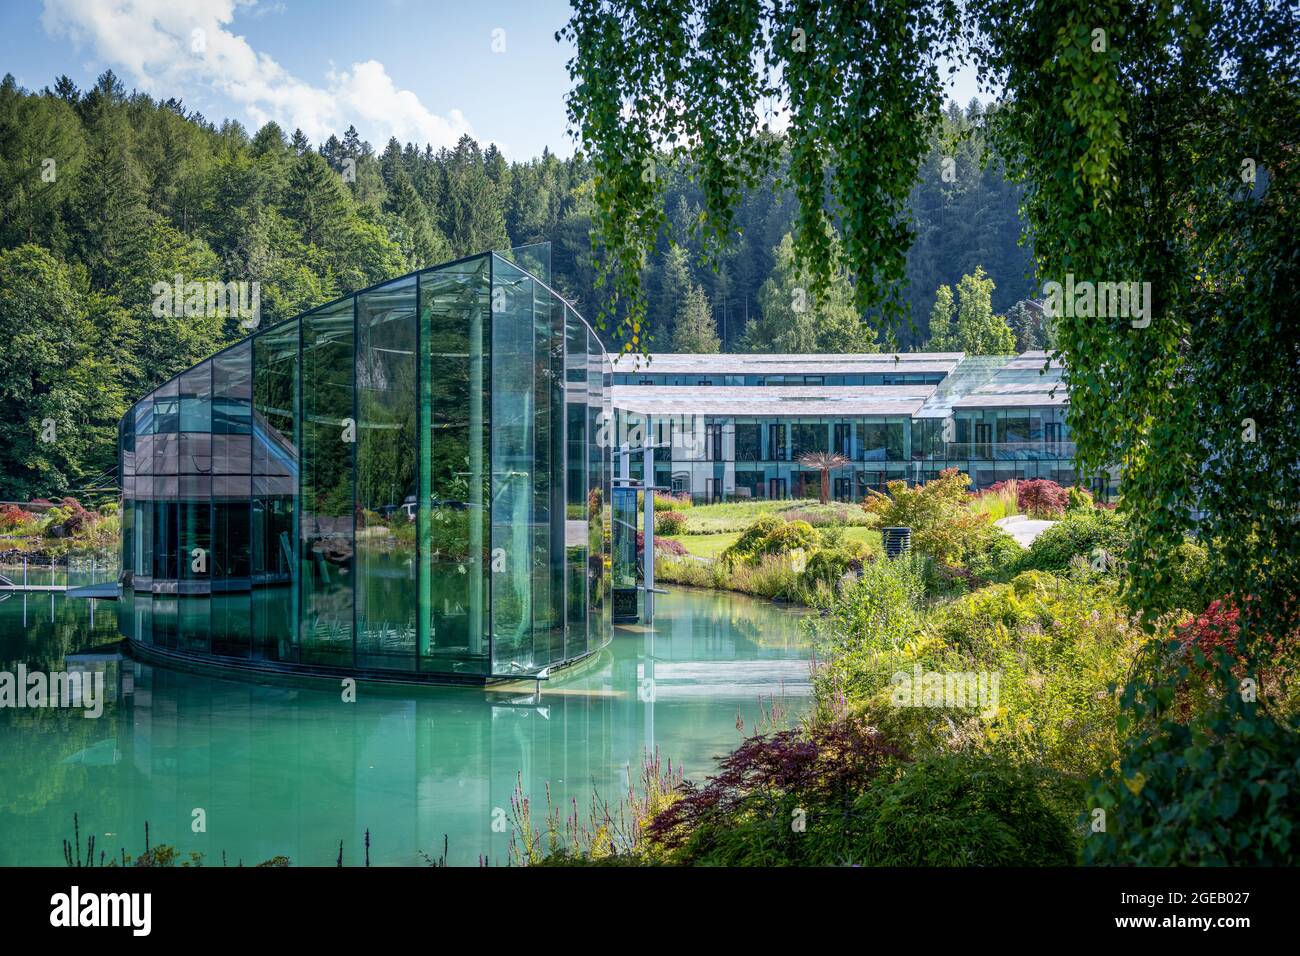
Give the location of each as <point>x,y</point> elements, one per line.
<point>1023,529</point>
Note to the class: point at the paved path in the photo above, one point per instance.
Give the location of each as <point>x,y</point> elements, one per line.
<point>1023,529</point>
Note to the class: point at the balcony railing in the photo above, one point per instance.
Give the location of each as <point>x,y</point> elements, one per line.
<point>1010,450</point>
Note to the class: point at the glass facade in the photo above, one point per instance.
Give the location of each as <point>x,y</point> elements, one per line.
<point>758,456</point>
<point>410,482</point>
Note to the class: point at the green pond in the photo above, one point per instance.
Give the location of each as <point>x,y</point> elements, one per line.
<point>294,770</point>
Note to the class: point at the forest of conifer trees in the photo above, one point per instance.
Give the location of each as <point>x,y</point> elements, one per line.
<point>105,193</point>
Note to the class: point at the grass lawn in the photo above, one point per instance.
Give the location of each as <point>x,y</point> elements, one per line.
<point>736,516</point>
<point>712,545</point>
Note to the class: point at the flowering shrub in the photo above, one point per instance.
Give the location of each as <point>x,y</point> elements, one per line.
<point>11,516</point>
<point>1042,498</point>
<point>669,522</point>
<point>1218,628</point>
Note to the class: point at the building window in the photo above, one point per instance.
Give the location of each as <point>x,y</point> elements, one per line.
<point>776,443</point>
<point>747,443</point>
<point>713,442</point>
<point>844,439</point>
<point>809,438</point>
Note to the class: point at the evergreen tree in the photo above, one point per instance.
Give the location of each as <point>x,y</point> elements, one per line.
<point>792,319</point>
<point>674,281</point>
<point>695,329</point>
<point>315,197</point>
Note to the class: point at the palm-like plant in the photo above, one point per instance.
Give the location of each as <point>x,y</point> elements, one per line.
<point>825,462</point>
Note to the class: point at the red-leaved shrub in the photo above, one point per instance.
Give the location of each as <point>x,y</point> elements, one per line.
<point>1041,498</point>
<point>827,765</point>
<point>662,545</point>
<point>11,516</point>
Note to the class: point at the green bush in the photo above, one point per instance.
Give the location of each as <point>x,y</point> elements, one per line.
<point>992,553</point>
<point>1192,588</point>
<point>967,810</point>
<point>873,619</point>
<point>770,535</point>
<point>1222,790</point>
<point>1078,535</point>
<point>828,566</point>
<point>1080,499</point>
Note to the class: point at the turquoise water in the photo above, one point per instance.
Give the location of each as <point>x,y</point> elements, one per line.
<point>293,770</point>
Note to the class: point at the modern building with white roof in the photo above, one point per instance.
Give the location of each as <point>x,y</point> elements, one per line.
<point>733,426</point>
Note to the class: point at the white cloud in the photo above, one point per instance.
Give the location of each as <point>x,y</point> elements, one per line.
<point>152,44</point>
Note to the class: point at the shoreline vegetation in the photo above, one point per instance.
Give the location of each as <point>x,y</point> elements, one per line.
<point>968,697</point>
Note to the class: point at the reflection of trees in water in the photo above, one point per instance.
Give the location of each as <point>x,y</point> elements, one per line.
<point>43,643</point>
<point>735,617</point>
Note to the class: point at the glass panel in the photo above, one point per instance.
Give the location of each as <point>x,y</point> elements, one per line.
<point>576,548</point>
<point>194,510</point>
<point>232,463</point>
<point>329,441</point>
<point>513,435</point>
<point>599,448</point>
<point>166,462</point>
<point>548,478</point>
<point>387,448</point>
<point>453,519</point>
<point>275,491</point>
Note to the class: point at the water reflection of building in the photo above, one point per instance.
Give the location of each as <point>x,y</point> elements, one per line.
<point>292,769</point>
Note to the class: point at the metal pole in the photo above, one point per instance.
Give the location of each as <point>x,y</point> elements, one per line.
<point>649,509</point>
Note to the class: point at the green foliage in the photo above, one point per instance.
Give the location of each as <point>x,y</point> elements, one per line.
<point>695,330</point>
<point>770,535</point>
<point>60,395</point>
<point>941,330</point>
<point>876,615</point>
<point>1221,790</point>
<point>976,330</point>
<point>1080,499</point>
<point>1079,534</point>
<point>943,525</point>
<point>653,81</point>
<point>768,576</point>
<point>793,319</point>
<point>967,810</point>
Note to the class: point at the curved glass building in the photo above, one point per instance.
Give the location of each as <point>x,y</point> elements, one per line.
<point>406,483</point>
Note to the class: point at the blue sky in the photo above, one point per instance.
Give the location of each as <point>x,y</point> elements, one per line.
<point>422,71</point>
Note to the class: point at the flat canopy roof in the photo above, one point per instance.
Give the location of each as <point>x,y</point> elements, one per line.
<point>1027,395</point>
<point>736,363</point>
<point>772,401</point>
